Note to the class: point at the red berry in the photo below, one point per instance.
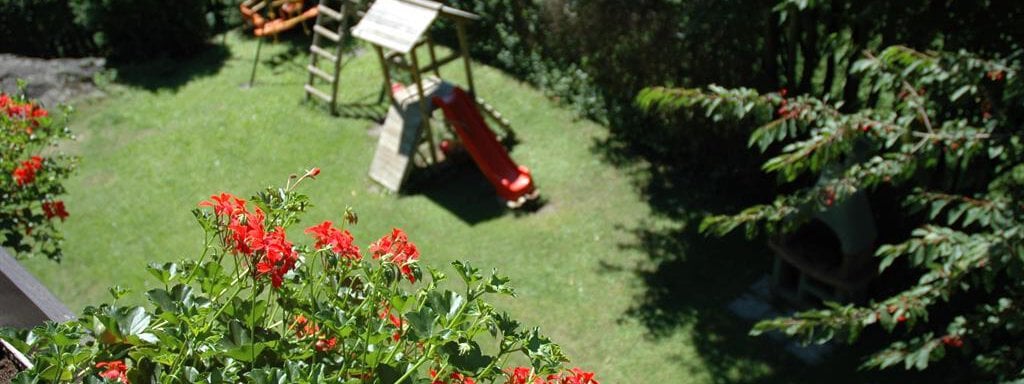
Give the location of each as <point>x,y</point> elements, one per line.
<point>996,75</point>
<point>953,341</point>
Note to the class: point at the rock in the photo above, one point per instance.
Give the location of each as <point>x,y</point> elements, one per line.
<point>51,82</point>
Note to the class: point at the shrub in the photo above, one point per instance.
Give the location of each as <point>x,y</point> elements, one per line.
<point>257,308</point>
<point>140,29</point>
<point>945,133</point>
<point>31,177</point>
<point>42,28</point>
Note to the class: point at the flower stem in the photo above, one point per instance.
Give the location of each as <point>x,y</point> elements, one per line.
<point>416,366</point>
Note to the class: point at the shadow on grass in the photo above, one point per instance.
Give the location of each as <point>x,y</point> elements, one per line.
<point>462,190</point>
<point>363,111</point>
<point>171,74</point>
<point>688,279</point>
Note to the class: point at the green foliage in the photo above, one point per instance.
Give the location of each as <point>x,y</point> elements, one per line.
<point>945,125</point>
<point>41,28</point>
<point>31,177</point>
<point>256,308</point>
<point>122,29</point>
<point>133,30</point>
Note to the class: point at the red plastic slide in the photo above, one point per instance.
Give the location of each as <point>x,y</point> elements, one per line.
<point>513,182</point>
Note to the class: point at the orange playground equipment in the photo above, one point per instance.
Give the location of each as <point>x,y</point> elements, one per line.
<point>288,15</point>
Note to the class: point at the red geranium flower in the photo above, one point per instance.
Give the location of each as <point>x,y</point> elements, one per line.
<point>394,319</point>
<point>396,248</point>
<point>225,204</point>
<point>304,328</point>
<point>456,378</point>
<point>247,231</point>
<point>339,241</point>
<point>278,257</point>
<point>38,112</point>
<point>26,172</point>
<point>324,345</point>
<point>54,209</point>
<point>579,376</point>
<point>114,370</point>
<point>520,375</point>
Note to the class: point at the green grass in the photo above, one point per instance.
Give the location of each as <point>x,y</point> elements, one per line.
<point>626,291</point>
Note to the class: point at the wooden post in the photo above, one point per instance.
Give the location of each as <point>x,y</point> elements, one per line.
<point>424,114</point>
<point>255,62</point>
<point>387,74</point>
<point>433,57</point>
<point>342,27</point>
<point>464,48</point>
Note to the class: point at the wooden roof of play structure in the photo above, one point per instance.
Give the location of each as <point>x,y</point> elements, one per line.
<point>399,25</point>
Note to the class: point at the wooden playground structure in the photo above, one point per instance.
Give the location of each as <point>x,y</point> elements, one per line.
<point>398,32</point>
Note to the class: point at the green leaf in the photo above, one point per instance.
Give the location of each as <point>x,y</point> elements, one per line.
<point>499,284</point>
<point>163,272</point>
<point>267,376</point>
<point>466,355</point>
<point>422,322</point>
<point>238,343</point>
<point>134,323</point>
<point>162,299</point>
<point>467,272</point>
<point>937,207</point>
<point>447,303</point>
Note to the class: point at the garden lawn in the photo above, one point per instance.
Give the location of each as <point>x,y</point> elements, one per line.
<point>171,133</point>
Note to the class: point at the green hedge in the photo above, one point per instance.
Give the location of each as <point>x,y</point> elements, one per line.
<point>42,28</point>
<point>128,30</point>
<point>135,29</point>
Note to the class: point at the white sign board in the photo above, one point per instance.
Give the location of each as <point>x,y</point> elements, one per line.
<point>394,24</point>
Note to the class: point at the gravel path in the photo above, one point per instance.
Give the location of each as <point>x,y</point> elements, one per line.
<point>53,81</point>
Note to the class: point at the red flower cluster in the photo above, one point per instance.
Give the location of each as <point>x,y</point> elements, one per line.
<point>55,209</point>
<point>225,204</point>
<point>271,252</point>
<point>396,248</point>
<point>113,370</point>
<point>303,328</point>
<point>340,242</point>
<point>24,111</point>
<point>26,173</point>
<point>324,345</point>
<point>522,375</point>
<point>455,377</point>
<point>278,256</point>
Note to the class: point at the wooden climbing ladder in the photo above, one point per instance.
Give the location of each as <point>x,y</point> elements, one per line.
<point>328,41</point>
